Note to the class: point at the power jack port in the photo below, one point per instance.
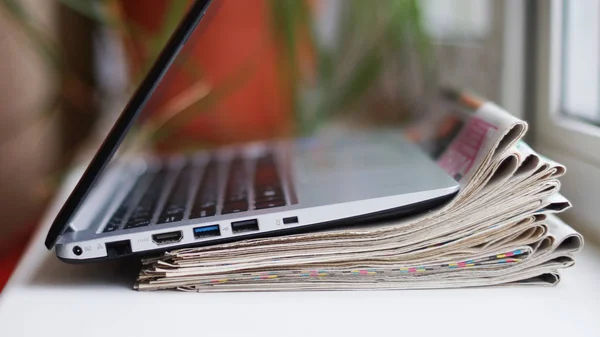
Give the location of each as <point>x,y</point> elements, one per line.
<point>77,250</point>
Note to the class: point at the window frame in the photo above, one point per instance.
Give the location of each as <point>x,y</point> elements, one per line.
<point>564,138</point>
<point>553,125</point>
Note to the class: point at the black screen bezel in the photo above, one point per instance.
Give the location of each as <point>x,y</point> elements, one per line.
<point>125,121</point>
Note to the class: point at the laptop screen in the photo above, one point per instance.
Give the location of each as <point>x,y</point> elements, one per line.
<point>250,70</point>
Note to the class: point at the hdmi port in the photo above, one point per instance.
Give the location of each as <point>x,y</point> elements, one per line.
<point>165,238</point>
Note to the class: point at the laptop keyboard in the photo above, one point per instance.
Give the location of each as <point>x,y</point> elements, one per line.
<point>239,192</point>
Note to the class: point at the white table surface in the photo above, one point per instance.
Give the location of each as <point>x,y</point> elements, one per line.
<point>46,297</point>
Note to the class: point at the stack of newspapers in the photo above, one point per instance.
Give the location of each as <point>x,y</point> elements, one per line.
<point>501,229</point>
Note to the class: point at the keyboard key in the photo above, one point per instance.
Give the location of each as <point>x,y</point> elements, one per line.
<point>268,192</point>
<point>208,204</point>
<point>205,202</point>
<point>269,204</point>
<point>142,213</point>
<point>111,228</point>
<point>203,212</point>
<point>174,208</point>
<point>236,197</point>
<point>236,193</point>
<point>235,207</point>
<point>171,218</point>
<point>266,176</point>
<point>138,223</point>
<point>267,185</point>
<point>138,219</point>
<point>266,199</point>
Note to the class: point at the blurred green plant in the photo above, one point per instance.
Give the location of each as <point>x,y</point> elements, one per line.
<point>370,35</point>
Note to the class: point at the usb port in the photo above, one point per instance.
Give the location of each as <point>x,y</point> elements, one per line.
<point>244,226</point>
<point>165,238</point>
<point>290,220</point>
<point>207,231</point>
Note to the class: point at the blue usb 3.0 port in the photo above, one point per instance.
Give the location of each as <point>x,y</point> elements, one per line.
<point>207,231</point>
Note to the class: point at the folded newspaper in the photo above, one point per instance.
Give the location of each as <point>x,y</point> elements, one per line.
<point>501,229</point>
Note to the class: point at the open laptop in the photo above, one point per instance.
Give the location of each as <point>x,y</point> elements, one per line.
<point>142,205</point>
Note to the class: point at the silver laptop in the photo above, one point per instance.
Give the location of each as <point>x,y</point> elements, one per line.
<point>133,205</point>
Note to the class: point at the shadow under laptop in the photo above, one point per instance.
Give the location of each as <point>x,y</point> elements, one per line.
<point>116,273</point>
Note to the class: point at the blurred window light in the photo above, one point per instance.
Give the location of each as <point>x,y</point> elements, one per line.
<point>581,60</point>
<point>457,20</point>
